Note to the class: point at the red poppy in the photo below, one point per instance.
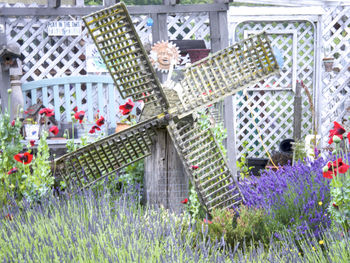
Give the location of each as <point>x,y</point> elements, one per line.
<point>100,121</point>
<point>335,205</point>
<point>94,128</point>
<point>79,115</point>
<point>32,143</point>
<point>337,130</point>
<point>54,130</point>
<point>47,112</point>
<point>127,107</point>
<point>185,201</point>
<point>348,137</point>
<point>13,123</point>
<point>195,167</point>
<point>337,166</point>
<point>207,221</point>
<point>25,158</point>
<point>12,171</point>
<point>75,109</point>
<point>9,217</point>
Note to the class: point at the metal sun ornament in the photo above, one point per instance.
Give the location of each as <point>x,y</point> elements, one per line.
<point>164,55</point>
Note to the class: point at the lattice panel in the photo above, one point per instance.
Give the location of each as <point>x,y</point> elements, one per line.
<point>55,56</point>
<point>270,111</point>
<point>335,84</point>
<point>205,164</point>
<point>226,72</point>
<point>295,40</point>
<point>189,26</point>
<point>82,168</point>
<point>124,55</point>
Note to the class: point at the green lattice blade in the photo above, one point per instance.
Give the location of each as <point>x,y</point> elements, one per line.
<point>122,51</point>
<point>84,167</point>
<point>226,72</point>
<point>213,180</point>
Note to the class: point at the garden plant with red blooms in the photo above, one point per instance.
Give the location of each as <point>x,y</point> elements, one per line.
<point>194,167</point>
<point>13,170</point>
<point>47,112</point>
<point>126,108</point>
<point>94,128</point>
<point>339,174</point>
<point>100,121</point>
<point>54,130</point>
<point>25,158</point>
<point>185,201</point>
<point>32,143</point>
<point>79,115</point>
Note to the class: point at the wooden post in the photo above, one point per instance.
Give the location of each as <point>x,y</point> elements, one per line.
<point>165,182</point>
<point>4,73</point>
<point>297,113</point>
<point>219,40</point>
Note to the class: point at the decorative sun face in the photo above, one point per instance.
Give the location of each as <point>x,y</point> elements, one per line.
<point>163,55</point>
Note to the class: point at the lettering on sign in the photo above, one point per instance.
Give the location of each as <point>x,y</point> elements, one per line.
<point>64,28</point>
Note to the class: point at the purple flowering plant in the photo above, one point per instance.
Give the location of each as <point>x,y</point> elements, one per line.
<point>296,197</point>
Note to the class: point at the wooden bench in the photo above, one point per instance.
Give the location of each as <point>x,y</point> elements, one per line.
<point>90,93</point>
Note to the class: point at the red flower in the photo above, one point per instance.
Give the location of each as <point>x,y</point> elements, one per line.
<point>23,157</point>
<point>94,128</point>
<point>54,130</point>
<point>195,167</point>
<point>32,143</point>
<point>12,171</point>
<point>337,130</point>
<point>127,107</point>
<point>9,217</point>
<point>348,137</point>
<point>47,112</point>
<point>79,115</point>
<point>337,166</point>
<point>75,109</point>
<point>207,221</point>
<point>185,201</point>
<point>335,205</point>
<point>13,123</point>
<point>100,121</point>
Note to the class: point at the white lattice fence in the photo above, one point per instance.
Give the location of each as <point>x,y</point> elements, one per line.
<point>335,100</point>
<point>269,104</point>
<point>189,26</point>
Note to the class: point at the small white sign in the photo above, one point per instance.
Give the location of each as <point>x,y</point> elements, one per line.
<point>64,28</point>
<point>94,62</point>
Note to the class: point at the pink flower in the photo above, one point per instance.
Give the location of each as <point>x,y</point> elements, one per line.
<point>13,123</point>
<point>195,167</point>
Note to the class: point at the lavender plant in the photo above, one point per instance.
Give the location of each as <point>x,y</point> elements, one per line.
<point>295,197</point>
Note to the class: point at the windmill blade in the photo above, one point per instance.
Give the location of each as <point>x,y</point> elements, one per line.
<point>225,73</point>
<point>213,180</point>
<point>85,166</point>
<point>124,55</point>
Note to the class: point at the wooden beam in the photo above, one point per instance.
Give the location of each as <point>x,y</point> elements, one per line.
<point>133,10</point>
<point>54,3</point>
<point>297,113</point>
<point>4,74</point>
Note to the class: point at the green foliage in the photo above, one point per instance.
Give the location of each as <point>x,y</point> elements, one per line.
<point>242,164</point>
<point>132,174</point>
<point>38,183</point>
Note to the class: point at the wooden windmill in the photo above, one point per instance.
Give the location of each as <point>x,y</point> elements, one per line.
<point>205,82</point>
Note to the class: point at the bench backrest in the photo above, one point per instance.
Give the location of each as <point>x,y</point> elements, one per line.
<point>88,93</point>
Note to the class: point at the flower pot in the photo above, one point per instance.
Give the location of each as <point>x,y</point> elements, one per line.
<point>328,64</point>
<point>121,126</point>
<point>198,54</point>
<point>258,164</point>
<point>31,131</point>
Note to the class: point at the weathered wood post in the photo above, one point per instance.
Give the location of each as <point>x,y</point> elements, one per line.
<point>297,113</point>
<point>219,40</point>
<point>165,182</point>
<point>4,73</point>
